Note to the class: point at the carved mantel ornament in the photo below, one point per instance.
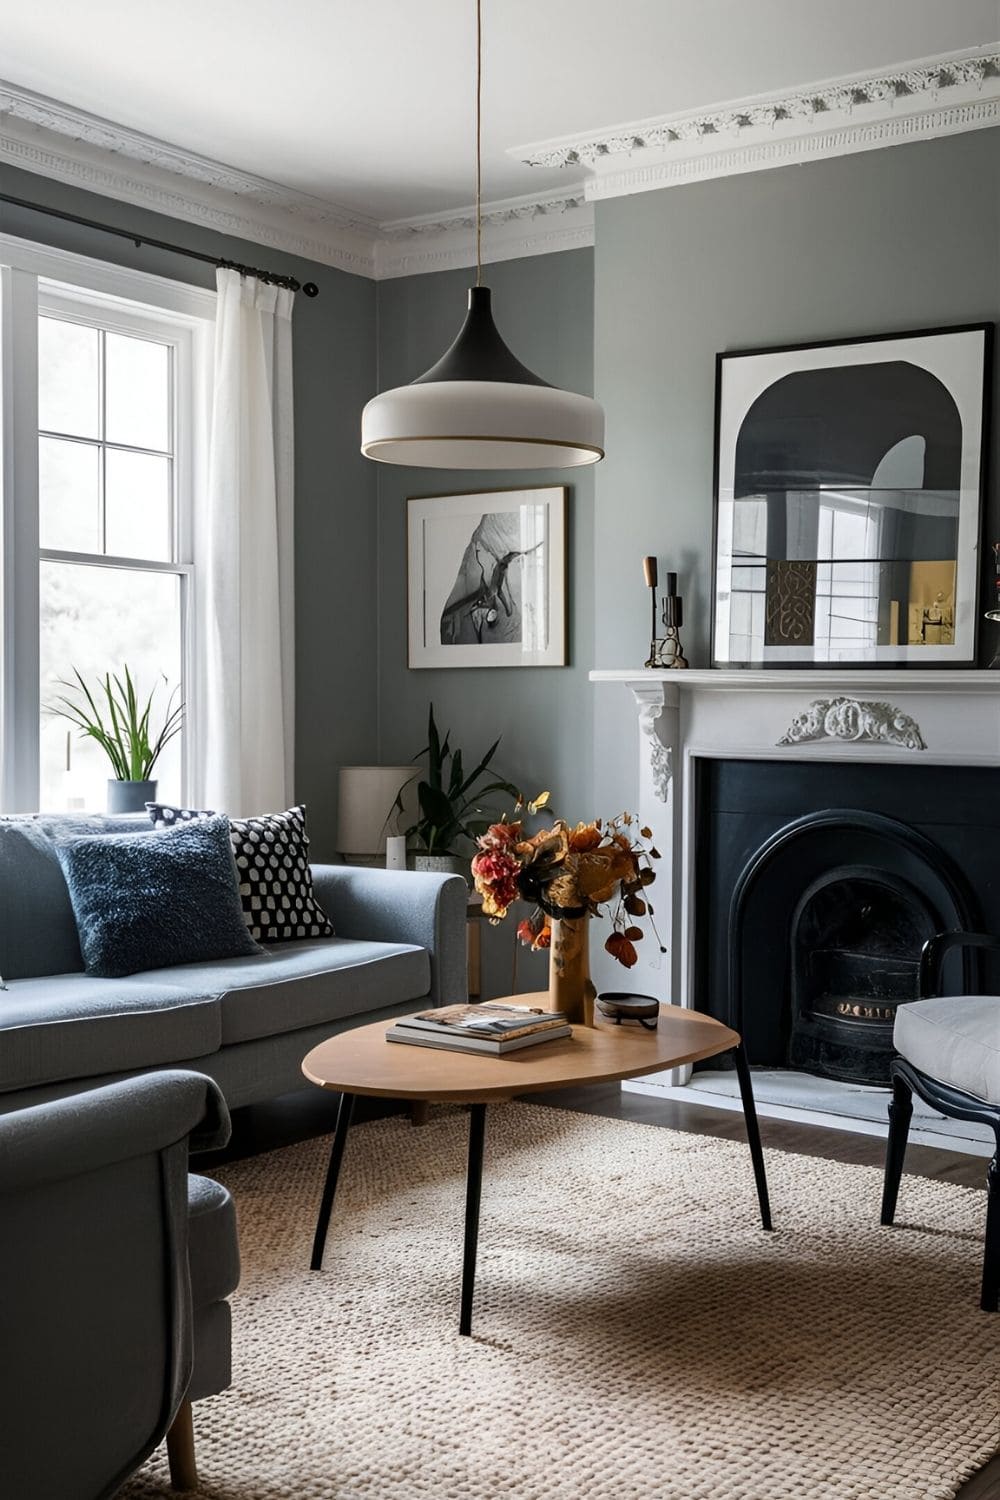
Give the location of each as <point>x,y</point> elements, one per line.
<point>854,719</point>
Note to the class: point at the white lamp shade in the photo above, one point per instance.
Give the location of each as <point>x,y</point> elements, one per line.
<point>365,815</point>
<point>483,424</point>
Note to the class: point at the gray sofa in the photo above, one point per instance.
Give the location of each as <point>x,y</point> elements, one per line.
<point>246,1022</point>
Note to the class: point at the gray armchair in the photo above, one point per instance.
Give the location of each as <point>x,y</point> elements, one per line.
<point>115,1266</point>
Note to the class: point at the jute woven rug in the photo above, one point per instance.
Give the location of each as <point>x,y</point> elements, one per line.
<point>636,1335</point>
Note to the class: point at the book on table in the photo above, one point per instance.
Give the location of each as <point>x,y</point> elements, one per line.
<point>489,1028</point>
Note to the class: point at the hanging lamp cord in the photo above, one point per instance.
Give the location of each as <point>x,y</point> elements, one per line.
<point>479,142</point>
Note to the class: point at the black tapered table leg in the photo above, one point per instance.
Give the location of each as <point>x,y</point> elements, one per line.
<point>753,1135</point>
<point>900,1114</point>
<point>473,1195</point>
<point>332,1173</point>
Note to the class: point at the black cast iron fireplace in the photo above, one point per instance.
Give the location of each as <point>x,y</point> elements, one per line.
<point>855,948</point>
<point>810,918</point>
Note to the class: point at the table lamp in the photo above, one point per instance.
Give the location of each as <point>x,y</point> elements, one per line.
<point>366,811</point>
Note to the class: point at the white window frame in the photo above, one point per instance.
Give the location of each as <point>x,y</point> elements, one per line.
<point>34,280</point>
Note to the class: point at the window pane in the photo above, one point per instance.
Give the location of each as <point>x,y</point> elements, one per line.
<point>68,378</point>
<point>69,495</point>
<point>137,379</point>
<point>97,619</point>
<point>137,505</point>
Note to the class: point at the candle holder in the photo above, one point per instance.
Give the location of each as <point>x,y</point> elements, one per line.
<point>994,613</point>
<point>665,649</point>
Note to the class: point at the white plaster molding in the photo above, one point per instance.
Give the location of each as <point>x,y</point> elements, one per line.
<point>915,101</point>
<point>661,764</point>
<point>41,135</point>
<point>854,719</point>
<point>448,243</point>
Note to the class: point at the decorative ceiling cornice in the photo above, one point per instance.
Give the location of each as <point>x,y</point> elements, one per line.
<point>72,146</point>
<point>516,228</point>
<point>914,101</point>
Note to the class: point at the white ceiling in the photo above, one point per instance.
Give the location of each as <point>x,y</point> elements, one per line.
<point>368,103</point>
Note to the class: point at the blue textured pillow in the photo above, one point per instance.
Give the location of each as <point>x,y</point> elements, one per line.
<point>145,901</point>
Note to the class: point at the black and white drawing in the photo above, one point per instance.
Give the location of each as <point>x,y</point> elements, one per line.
<point>849,494</point>
<point>486,577</point>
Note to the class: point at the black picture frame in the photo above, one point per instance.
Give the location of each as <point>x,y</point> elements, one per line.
<point>892,378</point>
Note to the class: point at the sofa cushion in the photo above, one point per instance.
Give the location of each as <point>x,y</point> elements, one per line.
<point>293,985</point>
<point>143,902</point>
<point>955,1039</point>
<point>76,1026</point>
<point>37,928</point>
<point>213,1246</point>
<point>272,858</point>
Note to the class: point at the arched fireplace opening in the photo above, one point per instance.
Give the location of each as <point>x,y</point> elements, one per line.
<point>827,920</point>
<point>855,948</point>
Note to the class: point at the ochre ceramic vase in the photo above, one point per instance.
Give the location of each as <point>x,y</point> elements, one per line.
<point>570,987</point>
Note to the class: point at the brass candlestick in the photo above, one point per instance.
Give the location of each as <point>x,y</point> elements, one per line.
<point>664,649</point>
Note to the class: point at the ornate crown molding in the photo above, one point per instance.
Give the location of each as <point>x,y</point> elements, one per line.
<point>914,101</point>
<point>44,136</point>
<point>516,227</point>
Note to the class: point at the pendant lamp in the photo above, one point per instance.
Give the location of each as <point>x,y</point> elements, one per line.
<point>479,407</point>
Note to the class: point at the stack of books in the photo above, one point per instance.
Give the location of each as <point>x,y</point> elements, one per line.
<point>489,1028</point>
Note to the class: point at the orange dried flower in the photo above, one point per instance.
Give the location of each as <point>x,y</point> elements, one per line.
<point>583,837</point>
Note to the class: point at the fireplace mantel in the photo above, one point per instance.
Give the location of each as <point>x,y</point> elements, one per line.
<point>925,717</point>
<point>805,680</point>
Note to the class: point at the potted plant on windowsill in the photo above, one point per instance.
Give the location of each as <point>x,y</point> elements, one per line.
<point>113,715</point>
<point>449,800</point>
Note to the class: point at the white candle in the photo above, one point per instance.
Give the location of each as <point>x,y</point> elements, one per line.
<point>395,852</point>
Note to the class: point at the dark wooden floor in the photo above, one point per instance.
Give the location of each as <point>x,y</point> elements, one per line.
<point>299,1116</point>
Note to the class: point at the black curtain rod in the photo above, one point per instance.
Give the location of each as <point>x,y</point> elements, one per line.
<point>272,277</point>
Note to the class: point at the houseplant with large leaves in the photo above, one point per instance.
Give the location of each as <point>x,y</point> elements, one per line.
<point>451,814</point>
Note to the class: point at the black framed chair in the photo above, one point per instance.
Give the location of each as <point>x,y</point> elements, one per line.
<point>949,1055</point>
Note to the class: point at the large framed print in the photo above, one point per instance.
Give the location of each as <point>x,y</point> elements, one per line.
<point>486,579</point>
<point>849,493</point>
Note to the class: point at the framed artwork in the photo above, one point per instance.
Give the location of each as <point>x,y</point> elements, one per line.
<point>849,493</point>
<point>486,579</point>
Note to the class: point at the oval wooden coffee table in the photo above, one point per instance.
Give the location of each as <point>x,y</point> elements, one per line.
<point>363,1062</point>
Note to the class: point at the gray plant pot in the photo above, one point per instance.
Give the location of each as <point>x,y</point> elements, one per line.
<point>130,796</point>
<point>442,864</point>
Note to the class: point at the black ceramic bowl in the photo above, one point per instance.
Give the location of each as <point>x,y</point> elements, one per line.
<point>621,1005</point>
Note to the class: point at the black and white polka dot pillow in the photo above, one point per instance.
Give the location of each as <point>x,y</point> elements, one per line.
<point>272,862</point>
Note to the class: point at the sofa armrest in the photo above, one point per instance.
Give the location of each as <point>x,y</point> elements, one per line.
<point>136,1117</point>
<point>402,906</point>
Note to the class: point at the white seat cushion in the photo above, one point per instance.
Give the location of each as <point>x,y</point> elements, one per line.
<point>955,1039</point>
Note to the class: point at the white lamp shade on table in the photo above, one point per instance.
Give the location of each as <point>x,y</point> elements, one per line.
<point>365,807</point>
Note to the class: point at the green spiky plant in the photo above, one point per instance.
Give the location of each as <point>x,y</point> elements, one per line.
<point>449,799</point>
<point>112,715</point>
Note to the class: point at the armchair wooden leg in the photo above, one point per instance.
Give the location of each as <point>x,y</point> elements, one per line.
<point>180,1450</point>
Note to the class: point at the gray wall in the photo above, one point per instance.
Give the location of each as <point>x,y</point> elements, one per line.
<point>335,600</point>
<point>907,237</point>
<point>544,309</point>
<point>887,240</point>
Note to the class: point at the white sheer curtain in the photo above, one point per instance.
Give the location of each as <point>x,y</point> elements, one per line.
<point>246,687</point>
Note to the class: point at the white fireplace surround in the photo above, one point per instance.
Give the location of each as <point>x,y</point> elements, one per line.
<point>936,717</point>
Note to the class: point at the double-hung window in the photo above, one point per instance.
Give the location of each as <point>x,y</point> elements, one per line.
<point>101,441</point>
